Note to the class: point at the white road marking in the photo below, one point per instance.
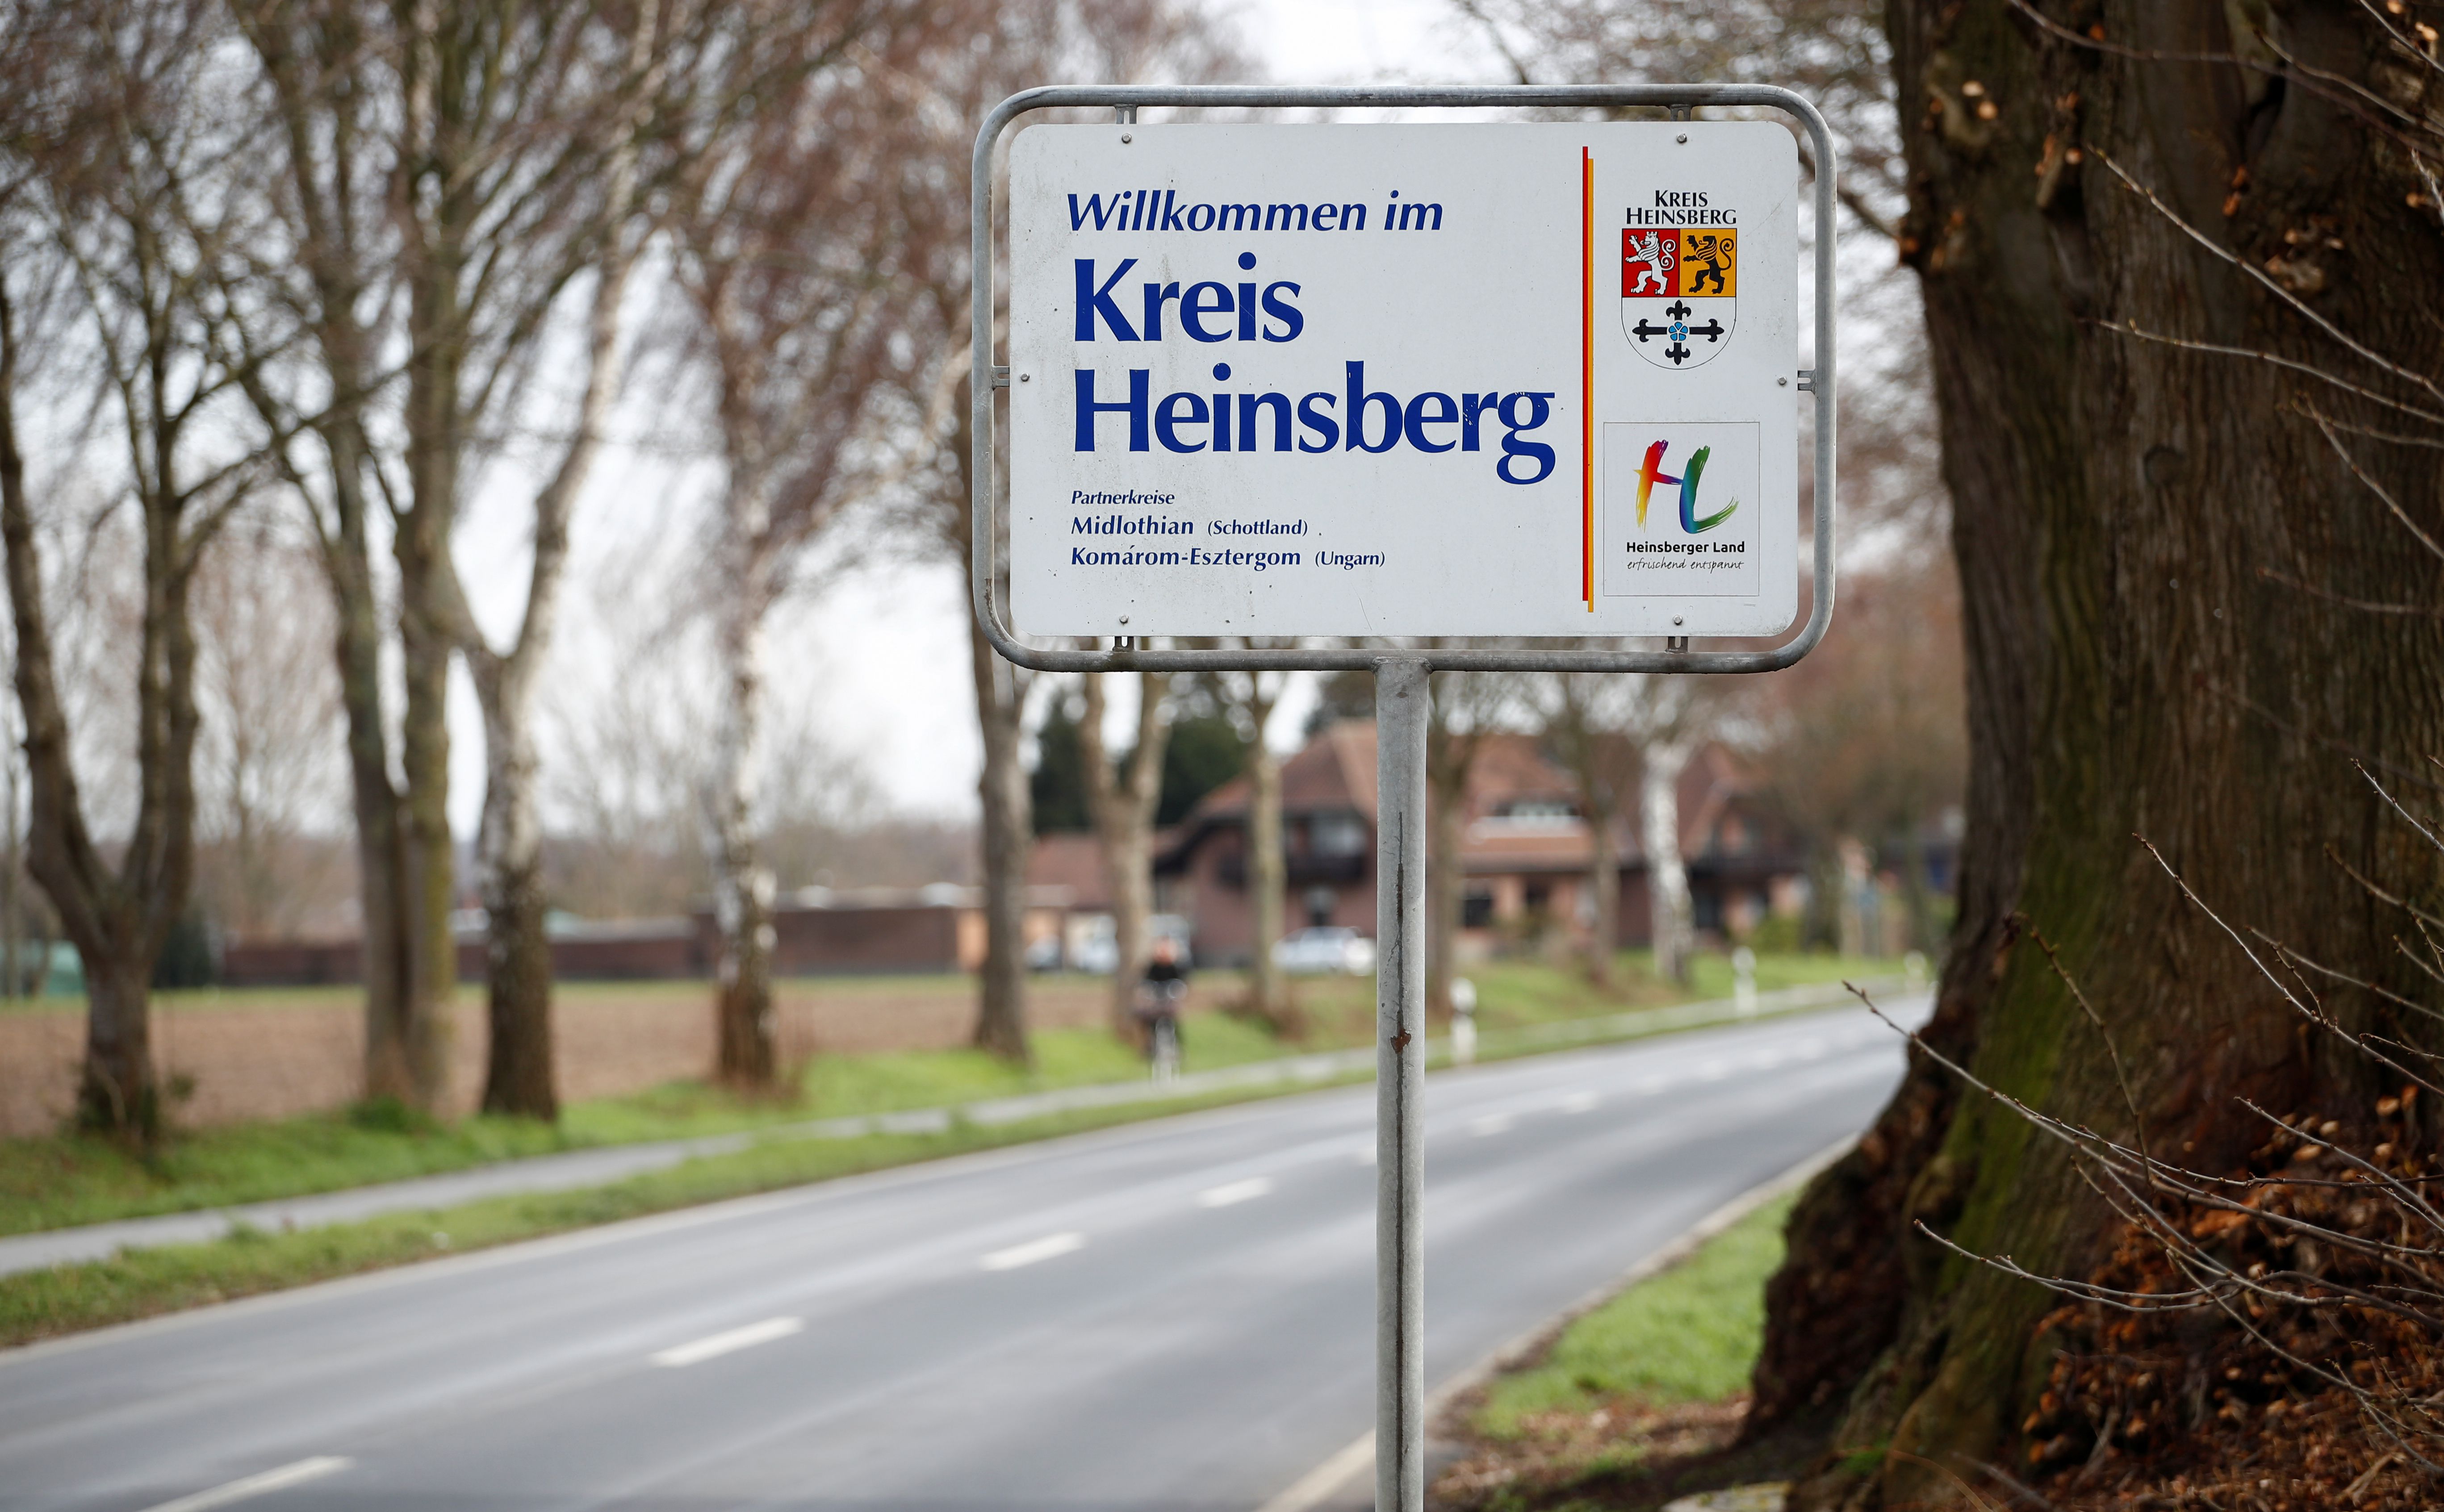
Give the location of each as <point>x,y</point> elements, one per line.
<point>1578,1102</point>
<point>1033,1251</point>
<point>1811,1049</point>
<point>1366,1154</point>
<point>1313,1488</point>
<point>1492,1123</point>
<point>278,1480</point>
<point>736,1338</point>
<point>1713,1071</point>
<point>1650,1085</point>
<point>1233,1192</point>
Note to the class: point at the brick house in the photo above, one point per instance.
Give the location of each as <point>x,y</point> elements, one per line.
<point>1525,850</point>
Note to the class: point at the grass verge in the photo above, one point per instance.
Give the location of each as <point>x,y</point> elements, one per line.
<point>143,1283</point>
<point>63,1181</point>
<point>1635,1404</point>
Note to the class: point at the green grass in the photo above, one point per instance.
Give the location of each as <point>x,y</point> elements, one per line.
<point>62,1181</point>
<point>67,1298</point>
<point>1689,1335</point>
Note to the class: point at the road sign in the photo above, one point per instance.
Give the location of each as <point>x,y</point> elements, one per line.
<point>1257,379</point>
<point>1404,380</point>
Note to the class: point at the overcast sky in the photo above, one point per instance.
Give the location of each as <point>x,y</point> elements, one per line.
<point>876,663</point>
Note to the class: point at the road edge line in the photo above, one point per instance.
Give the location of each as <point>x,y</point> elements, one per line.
<point>1311,1489</point>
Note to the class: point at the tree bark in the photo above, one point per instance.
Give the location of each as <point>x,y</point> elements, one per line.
<point>1267,870</point>
<point>519,1077</point>
<point>1667,875</point>
<point>1450,755</point>
<point>747,1053</point>
<point>119,916</point>
<point>1603,883</point>
<point>2141,660</point>
<point>1007,839</point>
<point>1123,802</point>
<point>404,1037</point>
<point>1007,834</point>
<point>310,70</point>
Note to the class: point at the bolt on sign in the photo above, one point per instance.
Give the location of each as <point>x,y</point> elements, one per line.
<point>1368,380</point>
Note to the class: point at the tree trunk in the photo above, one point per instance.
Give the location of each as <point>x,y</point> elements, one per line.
<point>1007,839</point>
<point>430,620</point>
<point>1124,803</point>
<point>1267,877</point>
<point>119,916</point>
<point>12,865</point>
<point>403,1032</point>
<point>747,1051</point>
<point>518,1076</point>
<point>117,1089</point>
<point>1604,885</point>
<point>1667,876</point>
<point>2137,516</point>
<point>1450,754</point>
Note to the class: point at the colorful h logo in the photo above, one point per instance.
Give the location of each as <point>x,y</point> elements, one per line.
<point>1650,472</point>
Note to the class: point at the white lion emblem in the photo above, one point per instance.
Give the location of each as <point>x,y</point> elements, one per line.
<point>1653,256</point>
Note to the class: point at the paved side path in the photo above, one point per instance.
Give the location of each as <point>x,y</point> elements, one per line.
<point>596,1168</point>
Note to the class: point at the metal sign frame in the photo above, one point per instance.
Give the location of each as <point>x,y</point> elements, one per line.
<point>1129,653</point>
<point>1403,675</point>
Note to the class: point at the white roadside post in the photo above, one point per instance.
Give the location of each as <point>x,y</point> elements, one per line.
<point>1329,392</point>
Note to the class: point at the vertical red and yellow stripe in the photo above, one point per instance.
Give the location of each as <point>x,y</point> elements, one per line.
<point>1587,377</point>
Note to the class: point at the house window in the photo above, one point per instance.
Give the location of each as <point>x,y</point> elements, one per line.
<point>1338,835</point>
<point>1476,909</point>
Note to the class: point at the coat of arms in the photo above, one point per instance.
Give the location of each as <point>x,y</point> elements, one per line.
<point>1679,292</point>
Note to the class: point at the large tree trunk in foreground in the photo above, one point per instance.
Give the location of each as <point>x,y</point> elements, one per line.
<point>2137,665</point>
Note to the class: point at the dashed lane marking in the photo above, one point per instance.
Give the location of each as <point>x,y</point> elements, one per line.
<point>1050,1246</point>
<point>270,1481</point>
<point>1234,1191</point>
<point>698,1350</point>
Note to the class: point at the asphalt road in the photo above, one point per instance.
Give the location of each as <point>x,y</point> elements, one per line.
<point>1174,1315</point>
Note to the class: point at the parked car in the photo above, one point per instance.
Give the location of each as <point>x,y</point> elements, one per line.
<point>1095,948</point>
<point>1325,950</point>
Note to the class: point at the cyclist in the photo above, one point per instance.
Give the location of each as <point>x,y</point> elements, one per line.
<point>1158,1006</point>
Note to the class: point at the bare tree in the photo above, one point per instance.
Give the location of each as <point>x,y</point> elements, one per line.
<point>109,186</point>
<point>1578,721</point>
<point>995,48</point>
<point>1467,706</point>
<point>1123,796</point>
<point>271,719</point>
<point>448,172</point>
<point>784,243</point>
<point>1252,697</point>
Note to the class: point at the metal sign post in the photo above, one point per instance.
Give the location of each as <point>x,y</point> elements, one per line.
<point>1344,389</point>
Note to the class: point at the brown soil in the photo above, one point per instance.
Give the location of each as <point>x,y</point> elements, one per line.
<point>2266,1402</point>
<point>295,1053</point>
<point>1623,1456</point>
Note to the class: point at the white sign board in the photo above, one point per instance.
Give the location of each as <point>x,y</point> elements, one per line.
<point>1404,380</point>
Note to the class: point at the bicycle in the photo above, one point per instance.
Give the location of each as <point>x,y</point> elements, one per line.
<point>1158,1009</point>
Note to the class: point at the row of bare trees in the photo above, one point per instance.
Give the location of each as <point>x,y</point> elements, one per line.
<point>354,264</point>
